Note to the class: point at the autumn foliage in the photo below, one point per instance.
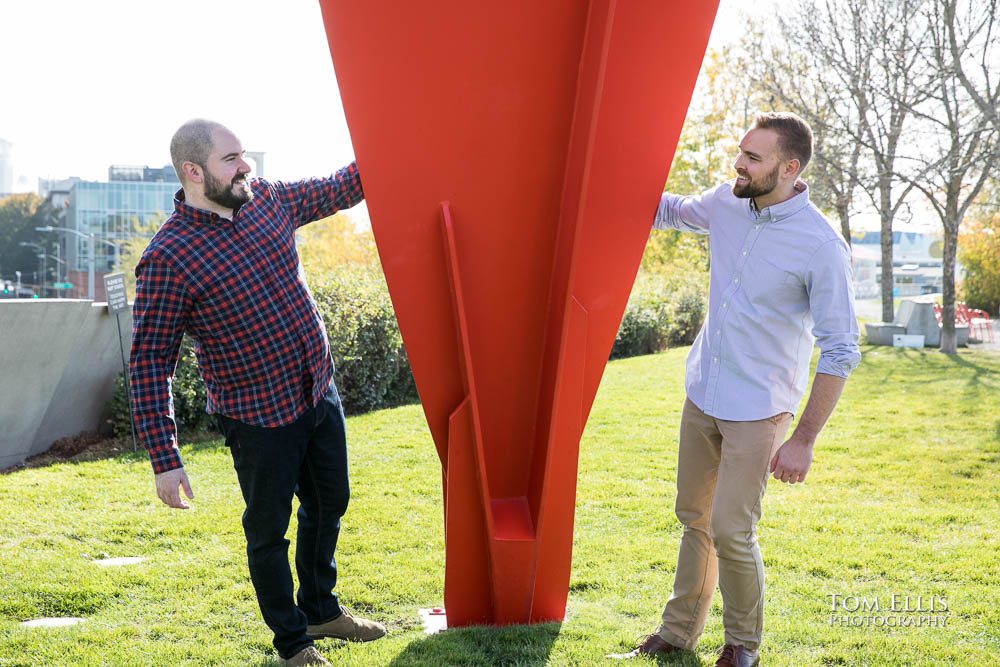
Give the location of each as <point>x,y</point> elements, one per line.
<point>979,252</point>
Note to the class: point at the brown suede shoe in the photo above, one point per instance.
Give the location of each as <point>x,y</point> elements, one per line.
<point>307,656</point>
<point>347,626</point>
<point>737,656</point>
<point>652,645</point>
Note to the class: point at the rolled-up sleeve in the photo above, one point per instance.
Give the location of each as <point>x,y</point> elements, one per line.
<point>831,302</point>
<point>687,214</point>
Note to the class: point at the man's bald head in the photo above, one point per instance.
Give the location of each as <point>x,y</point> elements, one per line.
<point>192,142</point>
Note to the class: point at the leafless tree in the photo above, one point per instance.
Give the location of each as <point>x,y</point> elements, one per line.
<point>960,136</point>
<point>971,32</point>
<point>837,170</point>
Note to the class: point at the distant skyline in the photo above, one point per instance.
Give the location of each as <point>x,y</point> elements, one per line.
<point>91,84</point>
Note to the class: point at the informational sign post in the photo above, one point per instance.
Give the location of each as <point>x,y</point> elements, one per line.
<point>114,287</point>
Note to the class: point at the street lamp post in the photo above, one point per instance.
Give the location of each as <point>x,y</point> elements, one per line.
<point>90,253</point>
<point>41,259</point>
<point>58,261</point>
<point>91,239</point>
<point>58,248</point>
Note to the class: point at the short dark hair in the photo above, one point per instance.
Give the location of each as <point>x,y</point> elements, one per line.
<point>192,142</point>
<point>794,134</point>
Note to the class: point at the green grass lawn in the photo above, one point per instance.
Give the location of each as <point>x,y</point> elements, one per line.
<point>902,500</point>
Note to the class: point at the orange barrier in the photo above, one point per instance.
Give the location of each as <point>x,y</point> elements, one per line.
<point>513,154</point>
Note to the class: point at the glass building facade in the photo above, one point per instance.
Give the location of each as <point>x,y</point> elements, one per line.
<point>113,212</point>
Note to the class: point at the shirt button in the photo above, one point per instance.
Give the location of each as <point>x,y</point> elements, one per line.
<point>715,360</point>
<point>744,253</point>
<point>736,280</point>
<point>725,305</point>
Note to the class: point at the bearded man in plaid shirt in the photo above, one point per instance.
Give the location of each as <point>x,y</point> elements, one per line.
<point>224,271</point>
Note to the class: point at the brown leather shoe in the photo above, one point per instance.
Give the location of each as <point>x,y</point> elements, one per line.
<point>737,656</point>
<point>307,656</point>
<point>652,645</point>
<point>347,626</point>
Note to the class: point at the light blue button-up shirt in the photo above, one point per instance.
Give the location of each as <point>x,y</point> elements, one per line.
<point>780,281</point>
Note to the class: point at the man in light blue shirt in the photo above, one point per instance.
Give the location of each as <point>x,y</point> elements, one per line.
<point>780,281</point>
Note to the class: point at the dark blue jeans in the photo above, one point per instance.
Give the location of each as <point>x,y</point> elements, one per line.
<point>307,458</point>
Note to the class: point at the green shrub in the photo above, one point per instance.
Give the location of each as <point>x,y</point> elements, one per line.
<point>687,312</point>
<point>119,409</point>
<point>664,310</point>
<point>372,370</point>
<point>644,326</point>
<point>189,398</point>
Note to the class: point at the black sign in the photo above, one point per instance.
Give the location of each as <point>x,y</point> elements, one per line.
<point>114,286</point>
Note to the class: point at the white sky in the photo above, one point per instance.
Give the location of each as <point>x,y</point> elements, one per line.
<point>87,84</point>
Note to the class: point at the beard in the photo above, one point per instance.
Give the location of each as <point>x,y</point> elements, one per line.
<point>225,194</point>
<point>752,189</point>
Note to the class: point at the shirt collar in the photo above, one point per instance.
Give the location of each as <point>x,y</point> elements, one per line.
<point>193,214</point>
<point>787,208</point>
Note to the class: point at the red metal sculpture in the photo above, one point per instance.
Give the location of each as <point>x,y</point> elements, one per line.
<point>513,154</point>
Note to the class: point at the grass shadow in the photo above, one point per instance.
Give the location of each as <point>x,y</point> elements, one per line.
<point>509,646</point>
<point>979,372</point>
<point>88,447</point>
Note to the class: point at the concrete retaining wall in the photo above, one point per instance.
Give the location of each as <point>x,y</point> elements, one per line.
<point>58,362</point>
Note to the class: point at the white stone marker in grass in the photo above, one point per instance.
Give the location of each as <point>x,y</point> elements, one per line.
<point>434,620</point>
<point>59,622</point>
<point>115,562</point>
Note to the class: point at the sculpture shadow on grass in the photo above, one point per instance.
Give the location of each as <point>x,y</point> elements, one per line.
<point>507,646</point>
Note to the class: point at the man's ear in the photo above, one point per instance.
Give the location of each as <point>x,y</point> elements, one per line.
<point>192,172</point>
<point>792,168</point>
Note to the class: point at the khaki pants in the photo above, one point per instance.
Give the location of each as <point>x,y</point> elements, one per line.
<point>722,471</point>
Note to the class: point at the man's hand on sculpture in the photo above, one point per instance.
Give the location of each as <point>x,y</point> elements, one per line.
<point>791,462</point>
<point>167,484</point>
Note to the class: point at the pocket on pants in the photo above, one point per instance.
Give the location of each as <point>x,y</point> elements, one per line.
<point>330,404</point>
<point>780,418</point>
<point>227,427</point>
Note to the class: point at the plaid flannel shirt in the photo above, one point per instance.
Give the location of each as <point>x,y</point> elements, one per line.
<point>236,288</point>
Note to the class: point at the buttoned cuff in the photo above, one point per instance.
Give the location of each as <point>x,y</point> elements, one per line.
<point>165,458</point>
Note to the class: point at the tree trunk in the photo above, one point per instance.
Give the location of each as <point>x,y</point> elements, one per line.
<point>887,305</point>
<point>949,339</point>
<point>843,212</point>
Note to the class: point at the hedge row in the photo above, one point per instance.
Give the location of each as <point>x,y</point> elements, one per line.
<point>663,311</point>
<point>372,370</point>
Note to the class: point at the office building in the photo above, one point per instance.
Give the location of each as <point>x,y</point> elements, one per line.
<point>113,212</point>
<point>6,167</point>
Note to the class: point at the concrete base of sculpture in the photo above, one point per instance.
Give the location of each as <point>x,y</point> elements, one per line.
<point>916,318</point>
<point>881,333</point>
